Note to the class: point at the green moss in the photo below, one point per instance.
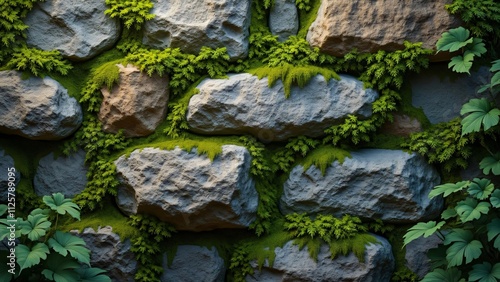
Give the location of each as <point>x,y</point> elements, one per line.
<point>307,17</point>
<point>109,215</point>
<point>408,108</point>
<point>323,157</point>
<point>386,141</point>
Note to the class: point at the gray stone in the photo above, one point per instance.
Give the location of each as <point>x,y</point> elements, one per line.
<point>188,190</point>
<point>66,175</point>
<point>78,29</point>
<point>194,264</point>
<point>441,93</point>
<point>189,25</point>
<point>37,108</point>
<point>416,254</point>
<point>7,165</point>
<point>369,26</point>
<point>284,19</point>
<point>137,105</point>
<point>108,252</point>
<point>243,104</point>
<point>292,264</point>
<point>382,184</point>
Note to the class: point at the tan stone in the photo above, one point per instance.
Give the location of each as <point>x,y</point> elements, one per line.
<point>138,104</point>
<point>369,26</point>
<point>402,125</point>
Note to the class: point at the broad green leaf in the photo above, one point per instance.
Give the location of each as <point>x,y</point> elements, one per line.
<point>58,203</point>
<point>63,243</point>
<point>92,275</point>
<point>424,229</point>
<point>45,212</point>
<point>480,114</point>
<point>59,268</point>
<point>481,188</point>
<point>477,47</point>
<point>495,80</point>
<point>495,199</point>
<point>441,275</point>
<point>495,66</point>
<point>462,245</point>
<point>6,224</point>
<point>449,213</point>
<point>470,209</point>
<point>35,227</point>
<point>485,273</point>
<point>462,64</point>
<point>454,39</point>
<point>3,209</point>
<point>448,188</point>
<point>26,258</point>
<point>491,163</point>
<point>494,232</point>
<point>438,256</point>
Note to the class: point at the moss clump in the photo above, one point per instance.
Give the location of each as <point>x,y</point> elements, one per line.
<point>323,157</point>
<point>307,16</point>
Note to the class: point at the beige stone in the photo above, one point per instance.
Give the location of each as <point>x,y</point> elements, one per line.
<point>369,26</point>
<point>138,104</point>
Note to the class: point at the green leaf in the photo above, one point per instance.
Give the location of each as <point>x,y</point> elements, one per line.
<point>441,275</point>
<point>495,66</point>
<point>495,199</point>
<point>470,209</point>
<point>481,188</point>
<point>463,245</point>
<point>448,188</point>
<point>495,80</point>
<point>3,209</point>
<point>449,213</point>
<point>480,113</point>
<point>477,47</point>
<point>35,227</point>
<point>454,39</point>
<point>92,275</point>
<point>484,272</point>
<point>63,243</point>
<point>58,203</point>
<point>26,258</point>
<point>462,64</point>
<point>494,232</point>
<point>491,163</point>
<point>61,269</point>
<point>424,229</point>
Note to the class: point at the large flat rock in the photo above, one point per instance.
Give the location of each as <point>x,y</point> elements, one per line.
<point>189,25</point>
<point>188,190</point>
<point>243,104</point>
<point>391,185</point>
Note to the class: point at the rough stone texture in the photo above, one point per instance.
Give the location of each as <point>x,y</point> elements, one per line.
<point>138,104</point>
<point>67,175</point>
<point>194,264</point>
<point>6,162</point>
<point>190,191</point>
<point>78,29</point>
<point>284,19</point>
<point>294,265</point>
<point>402,125</point>
<point>189,25</point>
<point>441,92</point>
<point>244,104</point>
<point>388,184</point>
<point>109,253</point>
<point>369,26</point>
<point>36,108</point>
<point>416,254</point>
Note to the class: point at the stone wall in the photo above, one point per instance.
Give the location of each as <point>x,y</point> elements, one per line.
<point>199,193</point>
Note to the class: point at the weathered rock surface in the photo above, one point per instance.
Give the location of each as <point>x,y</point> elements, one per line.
<point>284,19</point>
<point>292,264</point>
<point>67,175</point>
<point>369,26</point>
<point>78,29</point>
<point>388,184</point>
<point>109,253</point>
<point>189,191</point>
<point>189,25</point>
<point>243,104</point>
<point>6,165</point>
<point>194,264</point>
<point>416,254</point>
<point>36,108</point>
<point>138,104</point>
<point>441,93</point>
<point>402,125</point>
